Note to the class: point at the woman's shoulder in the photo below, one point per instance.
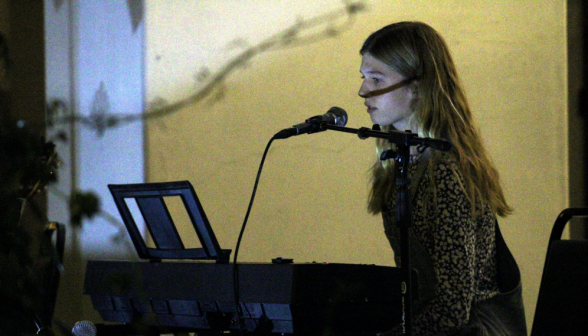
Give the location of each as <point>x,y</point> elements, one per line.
<point>447,178</point>
<point>445,164</point>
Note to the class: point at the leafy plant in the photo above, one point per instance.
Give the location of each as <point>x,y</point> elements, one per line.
<point>28,164</point>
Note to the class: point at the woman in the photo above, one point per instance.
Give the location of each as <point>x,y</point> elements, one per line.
<point>468,281</point>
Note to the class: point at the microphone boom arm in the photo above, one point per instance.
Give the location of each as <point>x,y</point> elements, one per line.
<point>397,137</point>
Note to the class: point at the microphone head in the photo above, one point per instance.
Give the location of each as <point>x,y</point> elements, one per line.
<point>336,116</point>
<point>84,328</point>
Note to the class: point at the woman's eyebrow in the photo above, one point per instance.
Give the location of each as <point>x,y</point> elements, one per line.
<point>371,72</point>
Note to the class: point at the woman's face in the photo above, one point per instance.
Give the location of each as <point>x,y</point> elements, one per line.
<point>387,96</point>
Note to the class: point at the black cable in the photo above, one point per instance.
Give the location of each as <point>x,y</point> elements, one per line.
<point>235,269</point>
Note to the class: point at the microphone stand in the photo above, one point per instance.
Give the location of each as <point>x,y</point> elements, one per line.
<point>403,141</point>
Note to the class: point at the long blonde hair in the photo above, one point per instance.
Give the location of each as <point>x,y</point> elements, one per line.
<point>415,50</point>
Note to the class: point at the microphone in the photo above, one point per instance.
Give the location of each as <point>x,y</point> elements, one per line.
<point>335,116</point>
<point>84,328</point>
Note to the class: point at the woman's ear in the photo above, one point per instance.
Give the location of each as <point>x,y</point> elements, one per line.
<point>413,87</point>
<point>414,93</point>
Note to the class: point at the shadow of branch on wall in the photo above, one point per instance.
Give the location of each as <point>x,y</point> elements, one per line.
<point>301,33</point>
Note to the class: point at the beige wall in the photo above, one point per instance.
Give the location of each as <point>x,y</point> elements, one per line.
<point>310,204</point>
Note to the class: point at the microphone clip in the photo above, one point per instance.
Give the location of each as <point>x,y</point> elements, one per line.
<point>388,154</point>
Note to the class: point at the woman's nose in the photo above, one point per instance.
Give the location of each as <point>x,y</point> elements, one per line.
<point>363,91</point>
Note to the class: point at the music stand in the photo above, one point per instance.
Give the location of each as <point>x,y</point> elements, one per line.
<point>149,200</point>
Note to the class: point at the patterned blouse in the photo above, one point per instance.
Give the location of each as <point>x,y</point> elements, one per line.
<point>462,248</point>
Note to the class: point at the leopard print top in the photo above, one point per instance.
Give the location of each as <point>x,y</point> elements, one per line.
<point>462,248</point>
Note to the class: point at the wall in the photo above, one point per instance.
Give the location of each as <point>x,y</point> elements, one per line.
<point>310,203</point>
<point>94,52</point>
<point>5,31</point>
